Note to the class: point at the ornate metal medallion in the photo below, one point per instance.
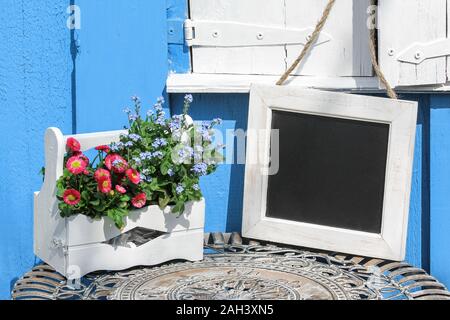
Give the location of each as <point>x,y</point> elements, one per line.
<point>245,277</point>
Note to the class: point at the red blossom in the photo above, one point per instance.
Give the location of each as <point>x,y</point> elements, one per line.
<point>103,148</point>
<point>76,165</point>
<point>73,145</point>
<point>72,197</point>
<point>133,175</point>
<point>120,189</point>
<point>105,185</point>
<point>116,163</point>
<point>139,201</point>
<point>101,174</point>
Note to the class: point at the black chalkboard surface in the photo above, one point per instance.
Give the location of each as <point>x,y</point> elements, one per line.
<point>332,171</point>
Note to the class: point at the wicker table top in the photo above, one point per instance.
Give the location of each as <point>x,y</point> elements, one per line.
<point>234,270</point>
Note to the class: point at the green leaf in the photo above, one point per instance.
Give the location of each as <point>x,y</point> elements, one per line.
<point>117,215</point>
<point>125,198</point>
<point>178,208</point>
<point>165,166</point>
<point>163,201</point>
<point>85,195</point>
<point>95,203</point>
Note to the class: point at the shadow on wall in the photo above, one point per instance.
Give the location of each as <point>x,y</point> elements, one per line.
<point>224,189</point>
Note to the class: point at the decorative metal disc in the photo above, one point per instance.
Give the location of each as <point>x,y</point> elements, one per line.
<point>245,277</point>
<point>235,271</point>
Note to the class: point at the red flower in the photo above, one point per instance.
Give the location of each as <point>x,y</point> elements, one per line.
<point>139,201</point>
<point>104,185</point>
<point>73,145</point>
<point>71,197</point>
<point>121,189</point>
<point>80,154</point>
<point>76,165</point>
<point>133,175</point>
<point>116,163</point>
<point>103,148</point>
<point>101,174</point>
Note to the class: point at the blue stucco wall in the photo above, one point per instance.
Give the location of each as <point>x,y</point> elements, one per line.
<point>35,93</point>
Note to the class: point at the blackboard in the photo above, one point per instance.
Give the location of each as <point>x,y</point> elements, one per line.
<point>331,171</point>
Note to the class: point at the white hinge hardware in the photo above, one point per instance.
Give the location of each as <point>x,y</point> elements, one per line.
<point>234,34</point>
<point>419,52</point>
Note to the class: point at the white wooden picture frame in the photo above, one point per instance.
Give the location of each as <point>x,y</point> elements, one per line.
<point>401,116</point>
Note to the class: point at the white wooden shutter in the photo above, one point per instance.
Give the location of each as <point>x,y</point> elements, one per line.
<point>403,25</point>
<point>239,60</point>
<point>345,54</point>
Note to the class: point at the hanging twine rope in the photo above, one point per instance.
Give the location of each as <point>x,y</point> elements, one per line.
<point>373,55</point>
<point>315,35</point>
<point>311,40</point>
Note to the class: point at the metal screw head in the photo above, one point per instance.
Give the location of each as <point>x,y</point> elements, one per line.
<point>418,55</point>
<point>216,34</point>
<point>391,52</point>
<point>260,36</point>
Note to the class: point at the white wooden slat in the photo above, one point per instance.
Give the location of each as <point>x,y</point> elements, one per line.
<point>239,60</point>
<point>347,54</point>
<point>401,24</point>
<point>240,83</point>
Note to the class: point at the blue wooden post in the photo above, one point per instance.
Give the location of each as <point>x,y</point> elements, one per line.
<point>440,188</point>
<point>417,252</point>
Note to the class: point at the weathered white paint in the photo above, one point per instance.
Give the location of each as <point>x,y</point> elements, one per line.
<point>419,52</point>
<point>404,28</point>
<point>239,60</point>
<point>400,115</point>
<point>76,246</point>
<point>223,34</point>
<point>232,83</point>
<point>346,54</point>
<point>403,24</point>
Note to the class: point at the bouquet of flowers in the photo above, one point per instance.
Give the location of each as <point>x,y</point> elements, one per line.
<point>159,161</point>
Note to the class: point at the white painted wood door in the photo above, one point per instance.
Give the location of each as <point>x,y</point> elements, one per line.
<point>404,23</point>
<point>346,54</point>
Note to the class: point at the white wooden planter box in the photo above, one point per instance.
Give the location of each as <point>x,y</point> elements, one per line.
<point>79,245</point>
